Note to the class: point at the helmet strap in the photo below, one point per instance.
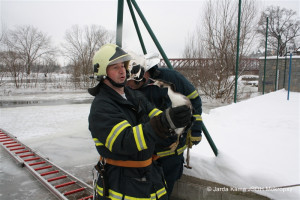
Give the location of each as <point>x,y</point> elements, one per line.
<point>118,85</point>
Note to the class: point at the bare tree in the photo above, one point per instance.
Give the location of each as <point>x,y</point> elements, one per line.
<point>80,46</point>
<point>30,44</point>
<point>283,28</point>
<point>12,63</point>
<point>217,36</point>
<point>194,47</point>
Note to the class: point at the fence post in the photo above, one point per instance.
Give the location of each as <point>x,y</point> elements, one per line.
<point>265,62</point>
<point>290,73</point>
<point>276,75</point>
<point>285,59</point>
<point>237,52</point>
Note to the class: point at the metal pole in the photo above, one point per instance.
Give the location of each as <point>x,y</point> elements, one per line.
<point>209,139</point>
<point>290,69</point>
<point>237,52</point>
<point>285,59</point>
<point>265,62</point>
<point>160,49</point>
<point>120,23</point>
<point>206,133</point>
<point>137,27</point>
<point>276,73</point>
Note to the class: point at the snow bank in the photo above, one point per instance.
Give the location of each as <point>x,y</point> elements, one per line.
<point>258,142</point>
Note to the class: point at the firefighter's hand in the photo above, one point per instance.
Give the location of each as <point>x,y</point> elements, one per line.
<point>190,140</point>
<point>190,143</point>
<point>177,117</point>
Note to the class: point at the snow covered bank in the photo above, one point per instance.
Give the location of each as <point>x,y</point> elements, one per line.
<point>258,141</point>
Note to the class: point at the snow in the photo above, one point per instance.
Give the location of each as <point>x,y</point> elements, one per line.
<point>258,142</point>
<point>257,139</point>
<point>275,57</point>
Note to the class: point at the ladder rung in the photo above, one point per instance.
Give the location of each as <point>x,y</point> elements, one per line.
<point>17,148</point>
<point>6,143</point>
<point>6,140</point>
<point>65,184</point>
<point>86,198</point>
<point>48,173</point>
<point>30,159</point>
<point>22,156</point>
<point>25,151</point>
<point>73,191</point>
<point>15,145</point>
<point>37,163</point>
<point>53,177</point>
<point>45,167</point>
<point>56,178</point>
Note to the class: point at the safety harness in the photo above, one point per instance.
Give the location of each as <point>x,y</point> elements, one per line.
<point>129,163</point>
<point>100,168</point>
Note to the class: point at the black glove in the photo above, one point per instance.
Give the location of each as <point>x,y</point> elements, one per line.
<point>177,117</point>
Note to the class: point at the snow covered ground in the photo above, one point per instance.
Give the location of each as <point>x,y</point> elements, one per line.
<point>258,141</point>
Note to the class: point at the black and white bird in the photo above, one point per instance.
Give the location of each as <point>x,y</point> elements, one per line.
<point>177,99</point>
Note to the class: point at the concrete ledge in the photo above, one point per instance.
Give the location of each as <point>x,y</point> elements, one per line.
<point>191,188</point>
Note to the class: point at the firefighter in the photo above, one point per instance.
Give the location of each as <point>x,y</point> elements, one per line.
<point>125,127</point>
<point>170,151</point>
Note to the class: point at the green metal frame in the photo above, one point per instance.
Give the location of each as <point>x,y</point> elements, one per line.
<point>120,23</point>
<point>265,61</point>
<point>158,46</point>
<point>276,72</point>
<point>237,52</point>
<point>136,26</point>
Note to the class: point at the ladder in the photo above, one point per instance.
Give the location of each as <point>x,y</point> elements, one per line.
<point>58,181</point>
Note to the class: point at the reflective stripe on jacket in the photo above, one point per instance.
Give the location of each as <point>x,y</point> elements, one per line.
<point>121,131</point>
<point>159,97</point>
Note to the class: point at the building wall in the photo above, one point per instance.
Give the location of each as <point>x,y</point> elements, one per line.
<point>283,73</point>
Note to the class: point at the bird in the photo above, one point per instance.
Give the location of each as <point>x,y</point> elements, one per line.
<point>177,99</point>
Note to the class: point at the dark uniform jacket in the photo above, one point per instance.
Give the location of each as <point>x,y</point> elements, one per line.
<point>159,97</point>
<point>122,131</point>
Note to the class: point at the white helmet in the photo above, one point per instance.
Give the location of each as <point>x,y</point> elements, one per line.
<point>140,64</point>
<point>152,59</point>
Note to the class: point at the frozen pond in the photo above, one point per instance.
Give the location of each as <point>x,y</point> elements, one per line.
<point>65,99</point>
<point>7,104</point>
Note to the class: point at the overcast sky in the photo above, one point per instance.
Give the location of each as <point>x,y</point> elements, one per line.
<point>171,21</point>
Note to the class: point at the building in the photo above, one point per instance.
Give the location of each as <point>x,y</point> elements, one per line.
<point>282,78</point>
